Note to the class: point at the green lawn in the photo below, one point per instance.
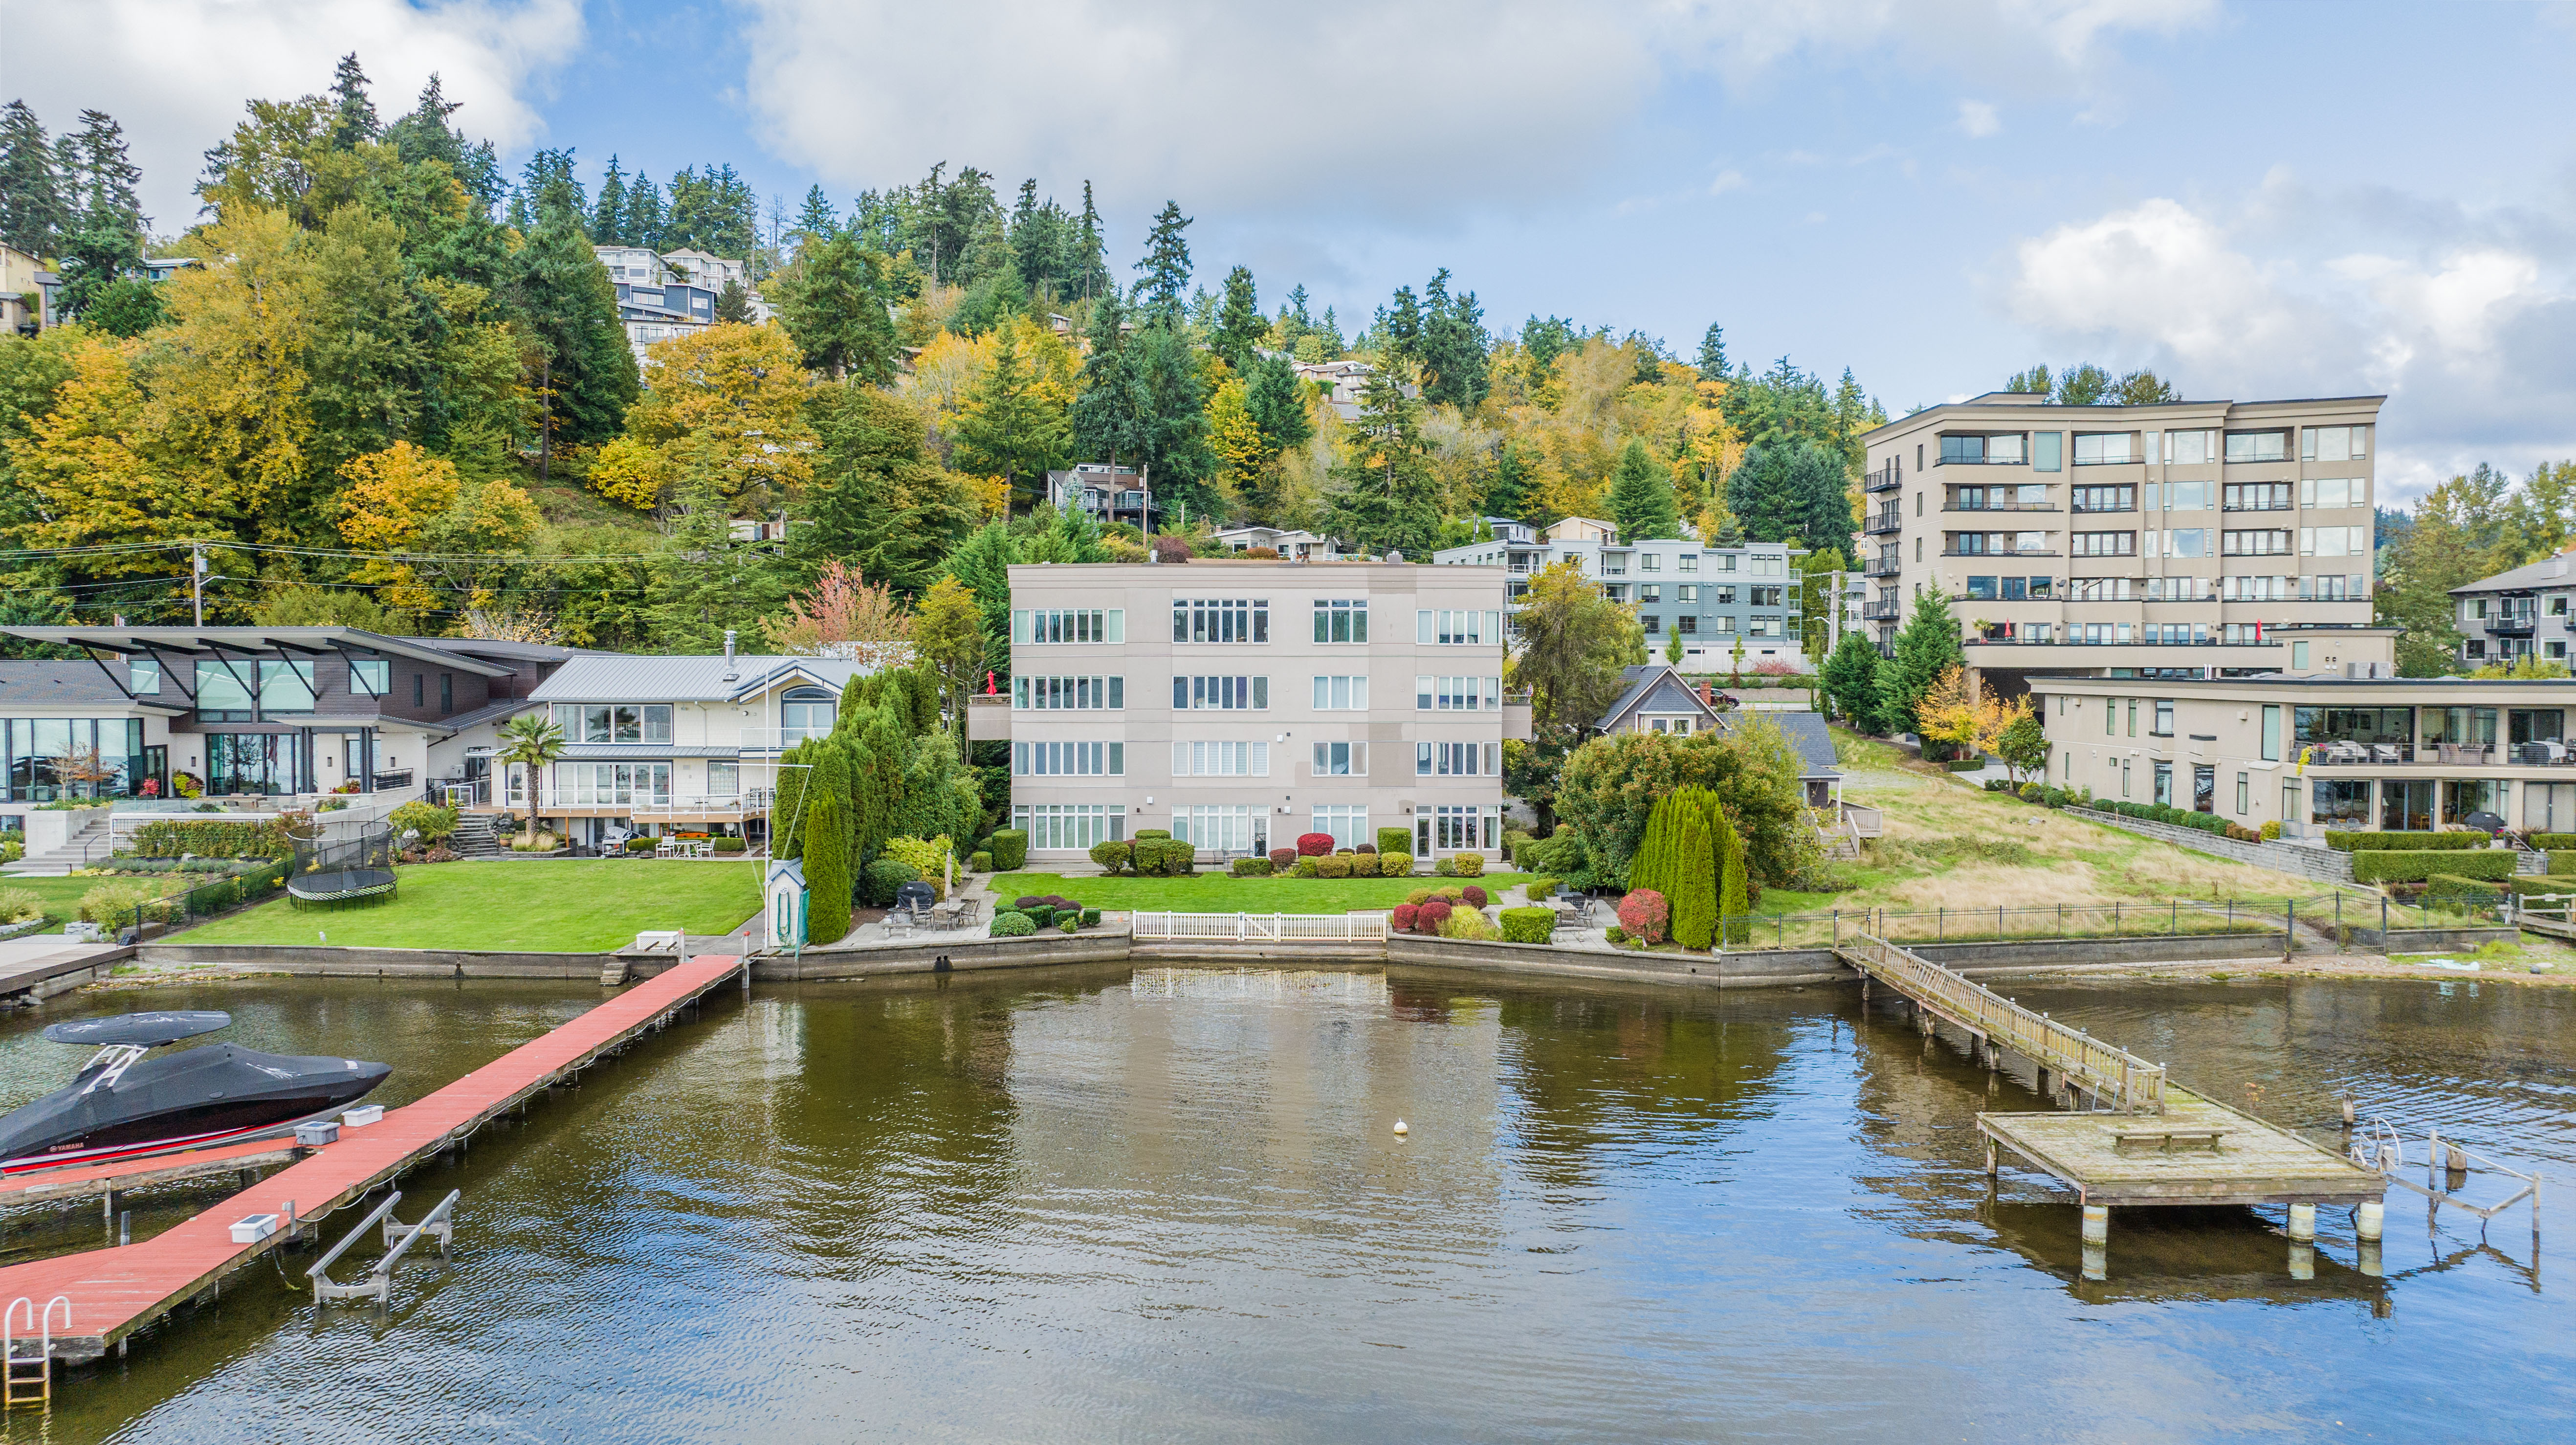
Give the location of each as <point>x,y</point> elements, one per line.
<point>1223,893</point>
<point>63,895</point>
<point>575,905</point>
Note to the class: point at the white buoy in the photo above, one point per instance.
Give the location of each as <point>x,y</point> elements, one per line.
<point>1399,1127</point>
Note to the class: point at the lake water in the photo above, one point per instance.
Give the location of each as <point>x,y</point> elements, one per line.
<point>1168,1204</point>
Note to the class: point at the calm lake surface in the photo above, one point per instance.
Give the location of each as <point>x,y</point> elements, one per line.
<point>1168,1205</point>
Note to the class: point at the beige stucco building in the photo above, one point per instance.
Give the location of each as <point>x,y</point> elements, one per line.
<point>2186,539</point>
<point>1237,704</point>
<point>2317,752</point>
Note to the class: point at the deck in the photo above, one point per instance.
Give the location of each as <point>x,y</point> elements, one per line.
<point>116,1292</point>
<point>2253,1163</point>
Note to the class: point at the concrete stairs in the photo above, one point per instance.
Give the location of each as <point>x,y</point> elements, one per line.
<point>474,837</point>
<point>74,853</point>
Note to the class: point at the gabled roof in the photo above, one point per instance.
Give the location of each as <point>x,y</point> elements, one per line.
<point>613,678</point>
<point>1805,732</point>
<point>2557,571</point>
<point>1655,688</point>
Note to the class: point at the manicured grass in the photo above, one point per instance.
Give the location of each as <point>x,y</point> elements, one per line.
<point>1223,893</point>
<point>63,895</point>
<point>574,905</point>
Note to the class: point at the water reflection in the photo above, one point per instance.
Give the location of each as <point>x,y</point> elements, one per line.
<point>1168,1202</point>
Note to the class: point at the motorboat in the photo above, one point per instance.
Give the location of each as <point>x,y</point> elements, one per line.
<point>124,1105</point>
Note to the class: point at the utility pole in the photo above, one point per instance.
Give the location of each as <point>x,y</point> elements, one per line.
<point>197,579</point>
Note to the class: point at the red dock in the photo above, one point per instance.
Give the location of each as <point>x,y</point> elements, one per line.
<point>115,1292</point>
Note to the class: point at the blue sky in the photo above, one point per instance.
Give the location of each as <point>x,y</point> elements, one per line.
<point>2260,200</point>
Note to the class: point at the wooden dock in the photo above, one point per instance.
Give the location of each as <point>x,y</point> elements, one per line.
<point>2144,1140</point>
<point>116,1292</point>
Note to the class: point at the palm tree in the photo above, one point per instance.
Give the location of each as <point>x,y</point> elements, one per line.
<point>532,739</point>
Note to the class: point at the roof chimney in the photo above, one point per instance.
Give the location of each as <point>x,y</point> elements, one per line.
<point>731,673</point>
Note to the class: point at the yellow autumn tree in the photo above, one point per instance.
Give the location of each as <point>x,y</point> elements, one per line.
<point>406,501</point>
<point>228,382</point>
<point>1234,434</point>
<point>726,404</point>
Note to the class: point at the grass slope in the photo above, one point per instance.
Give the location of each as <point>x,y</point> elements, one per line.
<point>1221,893</point>
<point>578,905</point>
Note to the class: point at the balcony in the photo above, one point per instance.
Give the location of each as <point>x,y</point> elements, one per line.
<point>2005,552</point>
<point>1886,479</point>
<point>1887,611</point>
<point>2518,626</point>
<point>2004,507</point>
<point>1881,567</point>
<point>2097,511</point>
<point>1882,524</point>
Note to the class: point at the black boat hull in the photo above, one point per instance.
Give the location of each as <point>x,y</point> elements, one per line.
<point>209,1095</point>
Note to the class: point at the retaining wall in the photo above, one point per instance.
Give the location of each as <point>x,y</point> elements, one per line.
<point>317,959</point>
<point>2323,864</point>
<point>2431,940</point>
<point>1105,944</point>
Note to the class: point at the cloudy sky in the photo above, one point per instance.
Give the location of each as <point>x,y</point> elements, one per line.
<point>2258,199</point>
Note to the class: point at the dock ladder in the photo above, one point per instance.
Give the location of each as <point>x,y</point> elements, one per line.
<point>29,1379</point>
<point>399,1237</point>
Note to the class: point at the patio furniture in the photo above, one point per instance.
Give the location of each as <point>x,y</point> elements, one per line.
<point>2387,753</point>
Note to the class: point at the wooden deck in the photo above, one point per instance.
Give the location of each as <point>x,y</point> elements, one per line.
<point>116,1292</point>
<point>2254,1163</point>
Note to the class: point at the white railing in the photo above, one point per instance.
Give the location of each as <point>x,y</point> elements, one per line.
<point>1258,927</point>
<point>2133,1085</point>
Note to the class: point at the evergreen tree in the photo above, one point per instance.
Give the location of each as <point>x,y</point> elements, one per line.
<point>1277,401</point>
<point>1388,499</point>
<point>815,219</point>
<point>551,189</point>
<point>1851,680</point>
<point>831,300</point>
<point>1398,329</point>
<point>1926,647</point>
<point>1712,354</point>
<point>608,214</point>
<point>877,500</point>
<point>1164,273</point>
<point>1007,428</point>
<point>1175,425</point>
<point>1641,496</point>
<point>827,868</point>
<point>34,212</point>
<point>587,376</point>
<point>1734,886</point>
<point>1455,368</point>
<point>1239,326</point>
<point>1792,489</point>
<point>111,183</point>
<point>1091,244</point>
<point>353,114</point>
<point>644,219</point>
<point>981,564</point>
<point>1508,495</point>
<point>733,303</point>
<point>1693,899</point>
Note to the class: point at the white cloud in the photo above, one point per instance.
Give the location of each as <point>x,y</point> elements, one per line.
<point>1727,180</point>
<point>1409,111</point>
<point>2472,336</point>
<point>1977,119</point>
<point>176,73</point>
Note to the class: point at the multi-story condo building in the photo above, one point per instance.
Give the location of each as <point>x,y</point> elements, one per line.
<point>2186,539</point>
<point>1238,704</point>
<point>2321,751</point>
<point>1715,598</point>
<point>659,297</point>
<point>2522,613</point>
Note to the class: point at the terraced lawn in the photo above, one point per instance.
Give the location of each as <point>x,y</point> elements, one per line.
<point>571,905</point>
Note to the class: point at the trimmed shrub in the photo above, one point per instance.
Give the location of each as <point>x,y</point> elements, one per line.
<point>1011,925</point>
<point>1445,867</point>
<point>1394,865</point>
<point>265,839</point>
<point>828,884</point>
<point>2270,831</point>
<point>1468,923</point>
<point>727,844</point>
<point>1538,888</point>
<point>879,880</point>
<point>1113,855</point>
<point>1615,934</point>
<point>1395,840</point>
<point>640,844</point>
<point>1528,925</point>
<point>1429,917</point>
<point>2029,792</point>
<point>1180,860</point>
<point>1965,765</point>
<point>1027,901</point>
<point>2562,860</point>
<point>1314,845</point>
<point>2409,867</point>
<point>1154,833</point>
<point>1470,865</point>
<point>1090,916</point>
<point>2547,842</point>
<point>1369,849</point>
<point>1305,869</point>
<point>980,863</point>
<point>1010,849</point>
<point>1067,925</point>
<point>1475,896</point>
<point>115,903</point>
<point>1400,918</point>
<point>2524,885</point>
<point>1644,913</point>
<point>1282,859</point>
<point>1333,867</point>
<point>2359,842</point>
<point>2446,888</point>
<point>1249,868</point>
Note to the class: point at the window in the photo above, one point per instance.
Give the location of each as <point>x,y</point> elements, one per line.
<point>1649,562</point>
<point>1652,624</point>
<point>2406,807</point>
<point>2110,716</point>
<point>1457,760</point>
<point>2338,802</point>
<point>2162,726</point>
<point>143,676</point>
<point>1650,592</point>
<point>724,778</point>
<point>1073,825</point>
<point>1774,564</point>
<point>1074,760</point>
<point>1689,562</point>
<point>2334,443</point>
<point>1720,625</point>
<point>1686,624</point>
<point>2133,717</point>
<point>2257,446</point>
<point>2105,448</point>
<point>416,682</point>
<point>1216,759</point>
<point>2105,499</point>
<point>2124,777</point>
<point>2334,541</point>
<point>2187,542</point>
<point>2269,542</point>
<point>1212,620</point>
<point>1725,561</point>
<point>370,677</point>
<point>1223,827</point>
<point>1981,589</point>
<point>1341,760</point>
<point>2271,732</point>
<point>2100,544</point>
<point>1452,828</point>
<point>1034,625</point>
<point>1457,694</point>
<point>2298,654</point>
<point>2190,496</point>
<point>1226,693</point>
<point>596,785</point>
<point>2048,451</point>
<point>1472,629</point>
<point>1722,596</point>
<point>2190,448</point>
<point>446,693</point>
<point>2164,784</point>
<point>651,722</point>
<point>1762,627</point>
<point>1341,619</point>
<point>2259,496</point>
<point>1342,694</point>
<point>1059,693</point>
<point>2244,793</point>
<point>2103,589</point>
<point>1688,593</point>
<point>1347,822</point>
<point>2017,589</point>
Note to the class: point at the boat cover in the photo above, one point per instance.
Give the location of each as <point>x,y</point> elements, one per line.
<point>196,1091</point>
<point>151,1030</point>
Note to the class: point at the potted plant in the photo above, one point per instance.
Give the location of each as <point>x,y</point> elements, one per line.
<point>533,740</point>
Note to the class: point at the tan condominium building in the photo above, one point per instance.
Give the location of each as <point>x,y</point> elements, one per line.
<point>1238,704</point>
<point>2184,539</point>
<point>2312,753</point>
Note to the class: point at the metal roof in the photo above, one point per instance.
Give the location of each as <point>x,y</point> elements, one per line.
<point>2554,571</point>
<point>57,684</point>
<point>701,678</point>
<point>129,641</point>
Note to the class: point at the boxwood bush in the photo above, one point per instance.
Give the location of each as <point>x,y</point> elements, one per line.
<point>1113,855</point>
<point>1010,849</point>
<point>2159,813</point>
<point>1528,925</point>
<point>1249,868</point>
<point>1395,865</point>
<point>2447,888</point>
<point>1011,925</point>
<point>1469,865</point>
<point>2550,842</point>
<point>2411,867</point>
<point>2359,842</point>
<point>1336,866</point>
<point>1395,840</point>
<point>980,863</point>
<point>2562,860</point>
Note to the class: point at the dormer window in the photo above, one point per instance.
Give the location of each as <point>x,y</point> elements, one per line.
<point>806,712</point>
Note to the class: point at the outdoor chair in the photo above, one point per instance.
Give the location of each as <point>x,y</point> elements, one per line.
<point>969,911</point>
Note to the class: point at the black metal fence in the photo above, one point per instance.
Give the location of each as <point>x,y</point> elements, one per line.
<point>371,847</point>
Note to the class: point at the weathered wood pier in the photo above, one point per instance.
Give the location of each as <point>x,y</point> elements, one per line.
<point>2142,1140</point>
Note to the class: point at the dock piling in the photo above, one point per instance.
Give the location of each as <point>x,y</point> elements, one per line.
<point>2369,1221</point>
<point>2303,1223</point>
<point>2097,1224</point>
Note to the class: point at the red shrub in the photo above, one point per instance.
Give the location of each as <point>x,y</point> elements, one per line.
<point>1169,548</point>
<point>1283,859</point>
<point>1426,919</point>
<point>1401,920</point>
<point>1474,895</point>
<point>1315,845</point>
<point>1644,914</point>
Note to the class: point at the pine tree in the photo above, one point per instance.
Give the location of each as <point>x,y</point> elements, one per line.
<point>566,301</point>
<point>1164,273</point>
<point>111,182</point>
<point>1092,244</point>
<point>1455,368</point>
<point>1712,354</point>
<point>645,221</point>
<point>608,214</point>
<point>34,212</point>
<point>1277,401</point>
<point>815,219</point>
<point>1926,647</point>
<point>1007,428</point>
<point>353,114</point>
<point>1389,498</point>
<point>1851,680</point>
<point>877,500</point>
<point>827,868</point>
<point>1508,495</point>
<point>1239,325</point>
<point>1398,329</point>
<point>1641,496</point>
<point>832,303</point>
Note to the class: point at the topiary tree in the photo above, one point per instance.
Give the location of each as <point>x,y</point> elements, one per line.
<point>827,870</point>
<point>1694,899</point>
<point>1314,845</point>
<point>1734,899</point>
<point>1394,840</point>
<point>1113,855</point>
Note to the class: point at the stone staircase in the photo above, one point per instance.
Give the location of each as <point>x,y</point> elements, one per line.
<point>74,853</point>
<point>474,837</point>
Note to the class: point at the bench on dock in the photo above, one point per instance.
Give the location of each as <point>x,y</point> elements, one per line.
<point>2165,1135</point>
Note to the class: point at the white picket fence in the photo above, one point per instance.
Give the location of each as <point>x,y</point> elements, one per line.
<point>1258,927</point>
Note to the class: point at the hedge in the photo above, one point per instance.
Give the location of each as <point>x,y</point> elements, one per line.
<point>1395,840</point>
<point>879,880</point>
<point>2400,867</point>
<point>2549,842</point>
<point>2562,861</point>
<point>2446,887</point>
<point>1966,765</point>
<point>2159,813</point>
<point>2357,842</point>
<point>214,840</point>
<point>1394,865</point>
<point>1011,925</point>
<point>726,844</point>
<point>1249,867</point>
<point>1528,925</point>
<point>1010,849</point>
<point>2523,885</point>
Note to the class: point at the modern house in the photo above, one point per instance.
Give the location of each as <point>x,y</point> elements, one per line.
<point>2197,539</point>
<point>1283,698</point>
<point>659,296</point>
<point>2518,614</point>
<point>1110,493</point>
<point>2322,751</point>
<point>1716,599</point>
<point>1295,544</point>
<point>27,290</point>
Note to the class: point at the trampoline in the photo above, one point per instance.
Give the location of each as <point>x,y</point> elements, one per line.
<point>348,885</point>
